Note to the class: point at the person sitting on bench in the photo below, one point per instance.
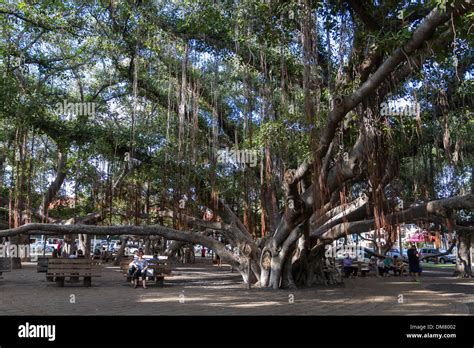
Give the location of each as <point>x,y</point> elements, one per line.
<point>96,255</point>
<point>373,265</point>
<point>73,256</point>
<point>132,264</point>
<point>138,267</point>
<point>388,266</point>
<point>398,265</point>
<point>349,269</point>
<point>381,267</point>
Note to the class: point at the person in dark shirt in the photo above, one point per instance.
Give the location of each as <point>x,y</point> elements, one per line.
<point>414,262</point>
<point>349,269</point>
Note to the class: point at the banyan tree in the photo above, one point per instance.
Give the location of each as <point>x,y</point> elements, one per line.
<point>335,117</point>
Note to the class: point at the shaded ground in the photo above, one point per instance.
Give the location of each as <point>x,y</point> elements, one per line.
<point>204,289</point>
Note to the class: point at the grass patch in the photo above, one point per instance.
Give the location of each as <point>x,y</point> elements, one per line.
<point>439,265</point>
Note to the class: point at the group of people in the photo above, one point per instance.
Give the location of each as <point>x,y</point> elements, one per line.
<point>398,266</point>
<point>383,265</point>
<point>74,255</point>
<point>387,264</point>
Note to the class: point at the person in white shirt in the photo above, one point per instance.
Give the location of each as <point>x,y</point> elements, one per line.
<point>138,269</point>
<point>381,267</point>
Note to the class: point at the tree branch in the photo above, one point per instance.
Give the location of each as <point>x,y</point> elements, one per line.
<point>437,208</point>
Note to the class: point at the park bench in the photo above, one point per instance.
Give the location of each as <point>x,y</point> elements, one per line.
<point>157,268</point>
<point>42,266</point>
<point>363,267</point>
<point>73,269</point>
<point>5,265</point>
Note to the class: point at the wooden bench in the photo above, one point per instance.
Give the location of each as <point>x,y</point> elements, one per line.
<point>158,267</point>
<point>42,265</point>
<point>73,269</point>
<point>124,263</point>
<point>5,265</point>
<point>363,267</point>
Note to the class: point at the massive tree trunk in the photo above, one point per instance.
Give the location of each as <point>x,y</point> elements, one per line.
<point>85,244</point>
<point>173,248</point>
<point>465,247</point>
<point>53,189</point>
<point>121,251</point>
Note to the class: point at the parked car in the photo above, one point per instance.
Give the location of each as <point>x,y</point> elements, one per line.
<point>37,249</point>
<point>393,252</point>
<point>449,258</point>
<point>114,246</point>
<point>99,244</point>
<point>441,259</point>
<point>396,252</point>
<point>362,257</point>
<point>130,250</point>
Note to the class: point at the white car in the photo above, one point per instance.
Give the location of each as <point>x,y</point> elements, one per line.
<point>37,249</point>
<point>130,251</point>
